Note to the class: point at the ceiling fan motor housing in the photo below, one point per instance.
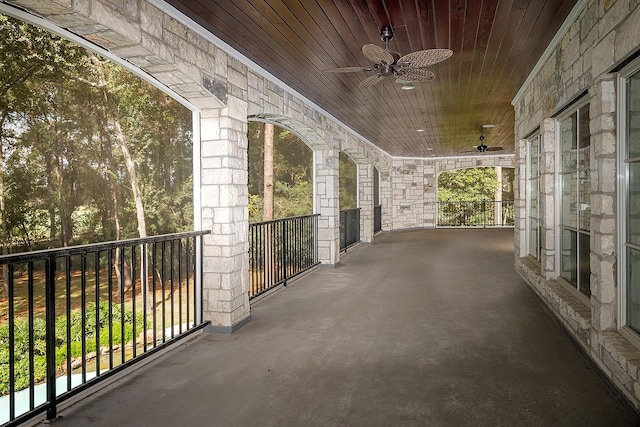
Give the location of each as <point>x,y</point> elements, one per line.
<point>386,34</point>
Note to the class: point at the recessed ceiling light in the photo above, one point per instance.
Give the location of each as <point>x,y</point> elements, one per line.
<point>488,126</point>
<point>419,130</point>
<point>429,149</point>
<point>408,87</point>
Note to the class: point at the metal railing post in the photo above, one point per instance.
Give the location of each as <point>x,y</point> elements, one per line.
<point>50,307</point>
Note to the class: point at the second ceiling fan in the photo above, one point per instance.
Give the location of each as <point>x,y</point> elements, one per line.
<point>409,68</point>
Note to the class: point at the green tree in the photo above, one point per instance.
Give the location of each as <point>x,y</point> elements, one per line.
<point>348,183</point>
<point>292,171</point>
<point>467,185</point>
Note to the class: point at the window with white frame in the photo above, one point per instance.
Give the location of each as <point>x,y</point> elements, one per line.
<point>575,205</point>
<point>533,195</point>
<point>630,192</point>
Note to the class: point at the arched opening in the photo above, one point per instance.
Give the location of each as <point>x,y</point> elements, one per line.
<point>349,210</point>
<point>282,227</point>
<point>94,160</point>
<point>280,173</point>
<point>476,197</point>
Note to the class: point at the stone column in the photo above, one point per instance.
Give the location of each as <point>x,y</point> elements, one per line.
<point>386,201</point>
<point>365,201</point>
<point>326,204</point>
<point>520,200</point>
<point>430,196</point>
<point>602,112</point>
<point>548,198</point>
<point>225,212</point>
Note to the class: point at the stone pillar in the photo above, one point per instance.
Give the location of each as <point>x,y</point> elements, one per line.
<point>602,112</point>
<point>365,201</point>
<point>225,212</point>
<point>386,201</point>
<point>548,198</point>
<point>326,166</point>
<point>429,191</point>
<point>520,200</point>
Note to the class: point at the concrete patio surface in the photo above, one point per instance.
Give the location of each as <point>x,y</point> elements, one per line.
<point>421,328</point>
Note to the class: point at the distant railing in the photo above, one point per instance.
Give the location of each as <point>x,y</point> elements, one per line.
<point>349,228</point>
<point>279,250</point>
<point>71,317</point>
<point>481,213</point>
<point>377,218</point>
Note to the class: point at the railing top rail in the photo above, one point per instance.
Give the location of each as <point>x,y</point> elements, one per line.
<point>94,247</point>
<point>282,219</point>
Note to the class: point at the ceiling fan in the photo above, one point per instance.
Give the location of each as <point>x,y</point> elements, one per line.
<point>483,148</point>
<point>409,68</point>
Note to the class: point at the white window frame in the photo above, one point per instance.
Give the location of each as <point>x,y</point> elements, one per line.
<point>622,180</point>
<point>578,105</point>
<point>530,140</point>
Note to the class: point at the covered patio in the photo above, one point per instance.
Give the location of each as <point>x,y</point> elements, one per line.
<point>422,327</point>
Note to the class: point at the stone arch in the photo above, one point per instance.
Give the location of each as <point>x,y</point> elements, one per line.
<point>307,134</point>
<point>136,38</point>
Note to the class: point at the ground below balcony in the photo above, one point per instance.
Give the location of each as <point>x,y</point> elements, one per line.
<point>424,327</point>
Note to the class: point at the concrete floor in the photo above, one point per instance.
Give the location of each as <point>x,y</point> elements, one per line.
<point>424,327</point>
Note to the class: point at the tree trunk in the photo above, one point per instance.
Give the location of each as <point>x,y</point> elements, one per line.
<point>3,210</point>
<point>130,165</point>
<point>267,212</point>
<point>498,197</point>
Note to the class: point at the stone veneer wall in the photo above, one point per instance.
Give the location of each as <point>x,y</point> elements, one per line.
<point>414,184</point>
<point>602,36</point>
<point>226,92</point>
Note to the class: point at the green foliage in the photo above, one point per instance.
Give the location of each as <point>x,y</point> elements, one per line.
<point>467,185</point>
<point>292,170</point>
<point>63,171</point>
<point>22,347</point>
<point>348,183</point>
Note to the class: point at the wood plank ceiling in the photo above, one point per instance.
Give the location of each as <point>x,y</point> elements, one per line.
<point>496,44</point>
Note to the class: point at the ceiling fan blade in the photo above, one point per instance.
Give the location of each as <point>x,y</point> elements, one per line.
<point>414,74</point>
<point>348,70</point>
<point>370,81</point>
<point>494,149</point>
<point>424,58</point>
<point>377,55</point>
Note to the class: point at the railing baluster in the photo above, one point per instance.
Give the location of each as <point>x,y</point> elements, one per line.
<point>279,250</point>
<point>97,312</point>
<point>133,301</point>
<point>31,334</point>
<point>50,313</point>
<point>110,263</point>
<point>12,326</point>
<point>83,321</point>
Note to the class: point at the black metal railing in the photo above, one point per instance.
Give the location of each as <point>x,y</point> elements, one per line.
<point>481,213</point>
<point>349,228</point>
<point>279,250</point>
<point>377,218</point>
<point>71,317</point>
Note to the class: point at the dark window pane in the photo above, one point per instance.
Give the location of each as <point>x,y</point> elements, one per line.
<point>633,204</point>
<point>633,116</point>
<point>569,216</point>
<point>584,284</point>
<point>633,289</point>
<point>569,143</point>
<point>569,256</point>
